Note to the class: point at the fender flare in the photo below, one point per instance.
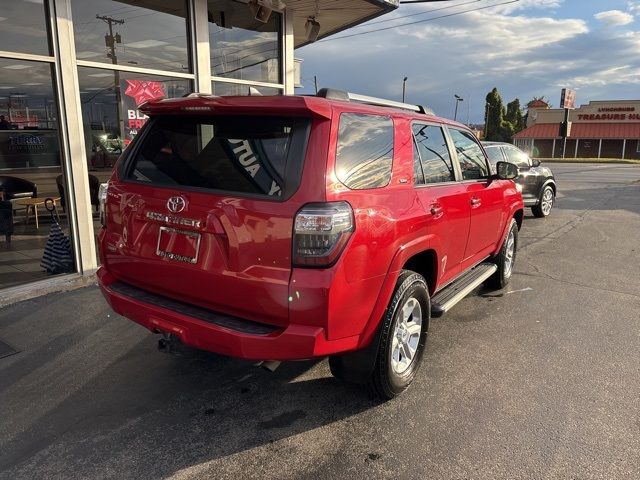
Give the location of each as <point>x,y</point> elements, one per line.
<point>400,258</point>
<point>550,181</point>
<point>517,207</point>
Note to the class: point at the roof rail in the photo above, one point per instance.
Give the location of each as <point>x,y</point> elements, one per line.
<point>333,94</point>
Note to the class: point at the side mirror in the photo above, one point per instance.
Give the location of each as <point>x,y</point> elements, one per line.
<point>535,162</point>
<point>506,171</point>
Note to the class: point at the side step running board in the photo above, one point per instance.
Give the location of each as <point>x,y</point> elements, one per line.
<point>463,286</point>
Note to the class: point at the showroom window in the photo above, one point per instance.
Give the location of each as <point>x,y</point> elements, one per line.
<point>31,159</point>
<point>111,118</point>
<point>119,33</point>
<point>244,48</point>
<point>23,27</point>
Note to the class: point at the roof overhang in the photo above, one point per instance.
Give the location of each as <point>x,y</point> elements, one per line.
<point>334,15</point>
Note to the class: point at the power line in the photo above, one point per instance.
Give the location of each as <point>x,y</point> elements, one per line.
<point>387,20</point>
<point>418,21</point>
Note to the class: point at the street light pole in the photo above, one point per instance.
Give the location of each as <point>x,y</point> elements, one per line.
<point>404,87</point>
<point>458,100</point>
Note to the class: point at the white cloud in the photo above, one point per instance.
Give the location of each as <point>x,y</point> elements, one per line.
<point>614,17</point>
<point>524,54</point>
<point>633,6</point>
<point>528,5</point>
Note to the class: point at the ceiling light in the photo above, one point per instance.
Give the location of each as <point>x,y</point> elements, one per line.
<point>312,29</point>
<point>17,66</point>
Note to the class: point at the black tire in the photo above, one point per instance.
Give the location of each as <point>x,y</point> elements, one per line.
<point>538,210</point>
<point>501,278</point>
<point>386,383</point>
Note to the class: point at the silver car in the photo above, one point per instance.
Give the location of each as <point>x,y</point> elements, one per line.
<point>537,183</point>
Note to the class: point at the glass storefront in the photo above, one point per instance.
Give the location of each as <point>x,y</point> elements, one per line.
<point>149,34</point>
<point>23,27</point>
<point>110,114</point>
<point>31,161</point>
<point>241,46</point>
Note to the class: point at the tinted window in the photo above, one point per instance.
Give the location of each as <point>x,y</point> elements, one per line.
<point>434,154</point>
<point>472,160</point>
<point>516,156</point>
<point>365,151</point>
<point>239,154</point>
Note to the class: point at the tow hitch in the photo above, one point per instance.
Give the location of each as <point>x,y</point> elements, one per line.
<point>170,344</point>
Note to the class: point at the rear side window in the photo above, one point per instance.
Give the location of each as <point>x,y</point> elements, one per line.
<point>245,155</point>
<point>517,157</point>
<point>473,163</point>
<point>494,154</point>
<point>365,151</point>
<point>434,154</point>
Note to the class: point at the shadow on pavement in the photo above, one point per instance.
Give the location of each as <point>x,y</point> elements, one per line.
<point>148,414</point>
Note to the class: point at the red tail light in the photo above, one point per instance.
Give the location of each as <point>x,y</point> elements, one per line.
<point>321,231</point>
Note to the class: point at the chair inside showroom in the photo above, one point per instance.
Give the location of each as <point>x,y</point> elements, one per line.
<point>6,218</point>
<point>15,188</point>
<point>94,188</point>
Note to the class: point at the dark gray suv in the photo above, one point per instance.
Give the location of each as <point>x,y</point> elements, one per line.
<point>536,181</point>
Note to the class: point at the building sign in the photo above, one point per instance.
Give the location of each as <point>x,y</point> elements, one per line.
<point>605,114</point>
<point>29,149</point>
<point>136,92</point>
<point>568,98</point>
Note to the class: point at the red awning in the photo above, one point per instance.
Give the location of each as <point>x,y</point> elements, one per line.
<point>540,130</point>
<point>583,130</point>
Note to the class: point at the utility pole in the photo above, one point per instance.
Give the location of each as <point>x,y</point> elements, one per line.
<point>315,83</point>
<point>110,41</point>
<point>458,100</point>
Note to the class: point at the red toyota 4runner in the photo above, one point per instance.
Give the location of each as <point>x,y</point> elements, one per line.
<point>294,227</point>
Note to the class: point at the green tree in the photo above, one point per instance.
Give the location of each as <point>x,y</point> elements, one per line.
<point>494,117</point>
<point>514,116</point>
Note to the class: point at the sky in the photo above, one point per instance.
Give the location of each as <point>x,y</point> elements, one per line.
<point>527,49</point>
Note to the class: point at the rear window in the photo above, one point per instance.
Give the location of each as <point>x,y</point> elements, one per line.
<point>365,151</point>
<point>245,155</point>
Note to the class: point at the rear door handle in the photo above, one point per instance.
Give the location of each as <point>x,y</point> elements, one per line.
<point>475,202</point>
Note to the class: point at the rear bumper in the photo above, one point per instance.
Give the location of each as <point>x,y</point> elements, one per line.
<point>294,342</point>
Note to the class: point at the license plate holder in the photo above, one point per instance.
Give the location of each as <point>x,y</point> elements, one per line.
<point>178,245</point>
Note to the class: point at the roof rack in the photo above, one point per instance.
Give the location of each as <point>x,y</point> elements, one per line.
<point>334,94</point>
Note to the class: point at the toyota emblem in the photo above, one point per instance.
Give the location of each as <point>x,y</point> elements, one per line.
<point>176,204</point>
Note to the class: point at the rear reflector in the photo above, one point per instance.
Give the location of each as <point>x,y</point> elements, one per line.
<point>321,231</point>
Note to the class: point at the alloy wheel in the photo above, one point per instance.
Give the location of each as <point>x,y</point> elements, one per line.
<point>406,336</point>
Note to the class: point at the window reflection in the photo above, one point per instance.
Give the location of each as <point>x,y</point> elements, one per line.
<point>225,89</point>
<point>144,33</point>
<point>30,173</point>
<point>28,116</point>
<point>241,46</point>
<point>110,110</point>
<point>23,27</point>
<point>364,154</point>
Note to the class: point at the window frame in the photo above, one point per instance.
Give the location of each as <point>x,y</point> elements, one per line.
<point>457,177</point>
<point>457,166</point>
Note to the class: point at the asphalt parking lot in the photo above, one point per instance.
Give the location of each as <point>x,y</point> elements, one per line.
<point>540,380</point>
